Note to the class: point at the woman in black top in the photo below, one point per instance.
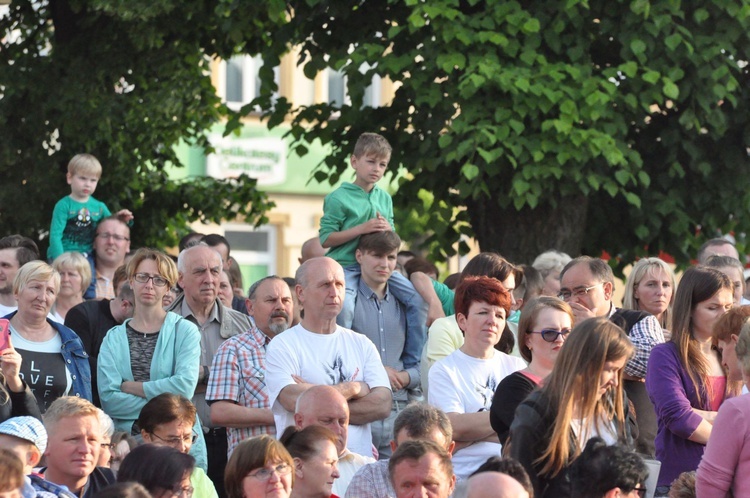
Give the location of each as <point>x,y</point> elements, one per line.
<point>542,329</point>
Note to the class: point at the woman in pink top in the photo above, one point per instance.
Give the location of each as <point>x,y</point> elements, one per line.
<point>726,462</point>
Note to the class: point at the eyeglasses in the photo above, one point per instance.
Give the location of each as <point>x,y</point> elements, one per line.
<point>108,445</point>
<point>641,492</point>
<point>142,278</point>
<point>551,335</point>
<point>107,235</point>
<point>265,474</point>
<point>176,441</point>
<point>185,492</point>
<point>578,292</point>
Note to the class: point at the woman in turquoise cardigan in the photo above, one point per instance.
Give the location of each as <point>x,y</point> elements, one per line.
<point>154,352</point>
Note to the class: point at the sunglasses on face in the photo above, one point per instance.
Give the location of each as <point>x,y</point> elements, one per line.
<point>551,335</point>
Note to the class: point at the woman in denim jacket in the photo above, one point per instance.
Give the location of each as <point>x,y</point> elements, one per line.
<point>54,362</point>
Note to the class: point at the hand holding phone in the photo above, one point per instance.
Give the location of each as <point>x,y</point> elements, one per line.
<point>4,334</point>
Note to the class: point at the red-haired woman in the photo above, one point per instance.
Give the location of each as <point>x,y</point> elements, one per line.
<point>463,383</point>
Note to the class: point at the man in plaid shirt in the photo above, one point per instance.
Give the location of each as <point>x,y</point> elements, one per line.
<point>237,387</point>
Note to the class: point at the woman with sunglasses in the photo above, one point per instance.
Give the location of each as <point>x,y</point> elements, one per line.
<point>542,329</point>
<point>582,398</point>
<point>685,379</point>
<point>168,420</point>
<point>154,352</point>
<point>463,383</point>
<point>260,467</point>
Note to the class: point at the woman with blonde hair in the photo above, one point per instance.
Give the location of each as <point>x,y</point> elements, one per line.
<point>258,468</point>
<point>542,330</point>
<point>581,398</point>
<point>685,379</point>
<point>650,287</point>
<point>53,361</point>
<point>75,277</point>
<point>154,352</point>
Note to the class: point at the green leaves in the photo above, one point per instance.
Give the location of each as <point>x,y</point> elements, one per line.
<point>508,110</point>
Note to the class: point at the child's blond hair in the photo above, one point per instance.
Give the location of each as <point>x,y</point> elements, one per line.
<point>85,164</point>
<point>372,144</point>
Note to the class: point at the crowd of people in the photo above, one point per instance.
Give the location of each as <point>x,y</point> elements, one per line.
<point>135,373</point>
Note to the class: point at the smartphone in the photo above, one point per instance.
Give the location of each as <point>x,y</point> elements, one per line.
<point>4,334</point>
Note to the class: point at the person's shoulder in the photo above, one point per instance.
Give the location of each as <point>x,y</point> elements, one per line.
<point>356,459</point>
<point>239,319</point>
<point>345,189</point>
<point>66,333</point>
<point>289,336</point>
<point>102,477</point>
<point>665,349</point>
<point>87,308</point>
<point>510,361</point>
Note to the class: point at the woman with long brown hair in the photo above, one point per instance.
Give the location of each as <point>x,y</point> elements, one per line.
<point>582,398</point>
<point>685,378</point>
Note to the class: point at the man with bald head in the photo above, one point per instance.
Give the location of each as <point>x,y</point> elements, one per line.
<point>325,406</point>
<point>494,485</point>
<point>199,268</point>
<point>311,248</point>
<point>237,389</point>
<point>318,351</point>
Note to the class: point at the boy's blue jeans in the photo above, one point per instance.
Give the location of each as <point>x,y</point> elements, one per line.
<point>406,294</point>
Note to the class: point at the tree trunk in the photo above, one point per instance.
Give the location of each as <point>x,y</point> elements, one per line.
<point>520,236</point>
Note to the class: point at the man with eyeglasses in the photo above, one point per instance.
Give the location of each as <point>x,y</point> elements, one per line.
<point>111,245</point>
<point>604,471</point>
<point>91,320</point>
<point>587,285</point>
<point>199,268</point>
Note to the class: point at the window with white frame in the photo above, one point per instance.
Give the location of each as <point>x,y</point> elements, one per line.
<point>338,95</point>
<point>239,80</point>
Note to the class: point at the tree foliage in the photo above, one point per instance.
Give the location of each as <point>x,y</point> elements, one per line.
<point>579,125</point>
<point>125,81</point>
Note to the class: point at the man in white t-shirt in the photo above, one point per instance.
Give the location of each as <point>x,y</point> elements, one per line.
<point>317,351</point>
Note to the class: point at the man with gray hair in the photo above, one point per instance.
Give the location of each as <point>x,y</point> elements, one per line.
<point>416,422</point>
<point>237,390</point>
<point>199,268</point>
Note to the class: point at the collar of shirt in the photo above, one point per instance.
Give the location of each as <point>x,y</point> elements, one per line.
<point>365,290</point>
<point>258,337</point>
<point>186,312</point>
